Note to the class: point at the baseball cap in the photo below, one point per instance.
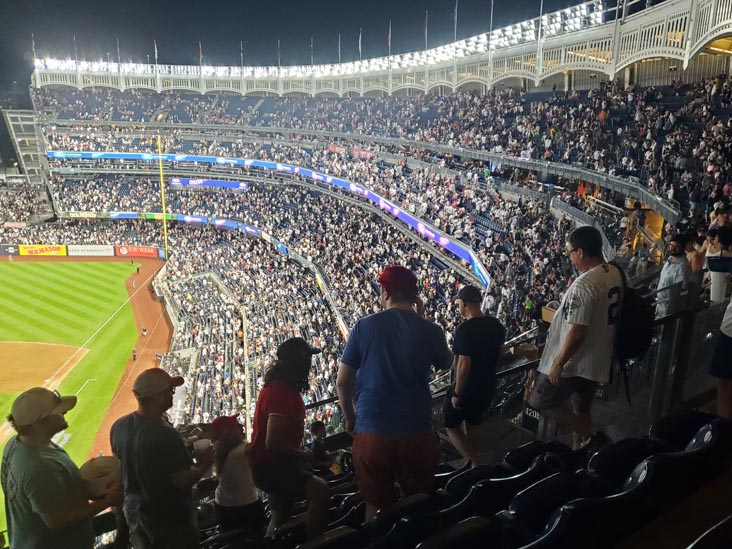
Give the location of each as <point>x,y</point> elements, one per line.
<point>398,280</point>
<point>294,349</point>
<point>36,403</point>
<point>153,381</point>
<point>469,294</point>
<point>222,424</point>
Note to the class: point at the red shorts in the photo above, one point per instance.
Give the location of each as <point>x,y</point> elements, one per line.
<point>381,460</point>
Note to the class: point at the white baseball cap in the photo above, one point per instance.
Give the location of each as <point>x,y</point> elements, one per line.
<point>154,381</point>
<point>36,403</point>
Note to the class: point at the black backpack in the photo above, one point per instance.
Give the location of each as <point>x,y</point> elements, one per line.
<point>634,330</point>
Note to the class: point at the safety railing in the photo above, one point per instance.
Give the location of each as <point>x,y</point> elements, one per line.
<point>583,218</point>
<point>668,209</point>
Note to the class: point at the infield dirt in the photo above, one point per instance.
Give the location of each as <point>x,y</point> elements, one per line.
<point>36,364</point>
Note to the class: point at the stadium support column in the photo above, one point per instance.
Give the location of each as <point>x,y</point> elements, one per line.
<point>567,81</point>
<point>162,197</point>
<point>690,32</point>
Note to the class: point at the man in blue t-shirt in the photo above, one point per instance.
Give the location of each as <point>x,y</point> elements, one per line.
<point>385,370</point>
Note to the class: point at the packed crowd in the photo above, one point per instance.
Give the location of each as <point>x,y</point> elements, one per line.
<point>524,258</point>
<point>670,138</point>
<point>19,202</point>
<point>456,202</point>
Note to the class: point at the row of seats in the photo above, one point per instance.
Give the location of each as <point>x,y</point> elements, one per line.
<point>541,495</point>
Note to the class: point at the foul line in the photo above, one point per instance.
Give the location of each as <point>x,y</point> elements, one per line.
<point>101,327</point>
<point>6,429</point>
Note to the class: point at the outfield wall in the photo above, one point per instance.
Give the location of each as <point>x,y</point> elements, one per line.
<point>82,250</point>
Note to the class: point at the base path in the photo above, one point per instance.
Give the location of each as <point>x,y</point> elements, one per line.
<point>149,313</point>
<point>50,362</point>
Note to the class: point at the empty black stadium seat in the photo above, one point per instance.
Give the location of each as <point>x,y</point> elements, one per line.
<point>441,479</point>
<point>597,523</point>
<point>353,517</point>
<point>338,538</point>
<point>522,457</point>
<point>417,504</point>
<point>472,533</point>
<point>677,430</point>
<point>460,484</point>
<point>718,536</point>
<point>531,508</point>
<point>615,462</point>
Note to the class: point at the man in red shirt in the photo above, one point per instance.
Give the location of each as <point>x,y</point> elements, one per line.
<point>278,458</point>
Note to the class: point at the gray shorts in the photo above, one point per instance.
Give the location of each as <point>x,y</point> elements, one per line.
<point>578,390</point>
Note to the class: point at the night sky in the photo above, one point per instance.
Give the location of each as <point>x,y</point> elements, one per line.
<point>220,25</point>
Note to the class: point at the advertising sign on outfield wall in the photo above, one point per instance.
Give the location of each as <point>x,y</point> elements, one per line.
<point>83,215</point>
<point>42,249</point>
<point>136,251</point>
<point>96,250</point>
<point>9,249</point>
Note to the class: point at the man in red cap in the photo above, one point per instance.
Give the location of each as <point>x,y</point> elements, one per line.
<point>392,352</point>
<point>157,471</point>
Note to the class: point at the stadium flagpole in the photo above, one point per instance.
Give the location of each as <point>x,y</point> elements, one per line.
<point>162,196</point>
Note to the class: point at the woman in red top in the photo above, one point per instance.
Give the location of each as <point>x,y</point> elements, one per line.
<point>278,458</point>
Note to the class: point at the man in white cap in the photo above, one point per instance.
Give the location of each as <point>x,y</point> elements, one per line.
<point>158,473</point>
<point>45,498</point>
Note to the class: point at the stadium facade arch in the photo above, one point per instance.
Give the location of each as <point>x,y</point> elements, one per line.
<point>543,52</point>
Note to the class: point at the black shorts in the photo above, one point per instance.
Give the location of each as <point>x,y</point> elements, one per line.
<point>721,367</point>
<point>579,390</point>
<point>470,411</point>
<point>250,516</point>
<point>284,482</point>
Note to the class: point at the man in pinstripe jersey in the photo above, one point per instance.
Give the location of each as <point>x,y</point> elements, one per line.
<point>578,352</point>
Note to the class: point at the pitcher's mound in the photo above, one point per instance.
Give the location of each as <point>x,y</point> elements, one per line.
<point>28,364</point>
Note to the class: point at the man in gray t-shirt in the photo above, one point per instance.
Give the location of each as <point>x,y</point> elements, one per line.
<point>45,497</point>
<point>158,473</point>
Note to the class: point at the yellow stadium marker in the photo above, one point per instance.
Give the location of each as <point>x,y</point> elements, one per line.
<point>162,197</point>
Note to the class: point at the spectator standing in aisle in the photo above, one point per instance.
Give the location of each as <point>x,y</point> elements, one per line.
<point>676,269</point>
<point>644,258</point>
<point>578,352</point>
<point>278,458</point>
<point>477,349</point>
<point>236,501</point>
<point>158,473</point>
<point>45,497</point>
<point>385,371</point>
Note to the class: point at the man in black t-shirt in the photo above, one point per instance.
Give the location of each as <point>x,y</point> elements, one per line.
<point>477,348</point>
<point>158,473</point>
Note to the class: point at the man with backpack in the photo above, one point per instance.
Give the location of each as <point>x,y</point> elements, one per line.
<point>579,346</point>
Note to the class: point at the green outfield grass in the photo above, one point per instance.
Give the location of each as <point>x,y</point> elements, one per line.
<point>80,304</point>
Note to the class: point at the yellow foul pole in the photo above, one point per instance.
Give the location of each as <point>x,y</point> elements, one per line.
<point>162,197</point>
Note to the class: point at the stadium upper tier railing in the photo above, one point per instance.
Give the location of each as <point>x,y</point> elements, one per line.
<point>588,36</point>
<point>668,209</point>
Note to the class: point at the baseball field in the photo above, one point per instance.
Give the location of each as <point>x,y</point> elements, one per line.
<point>72,326</point>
